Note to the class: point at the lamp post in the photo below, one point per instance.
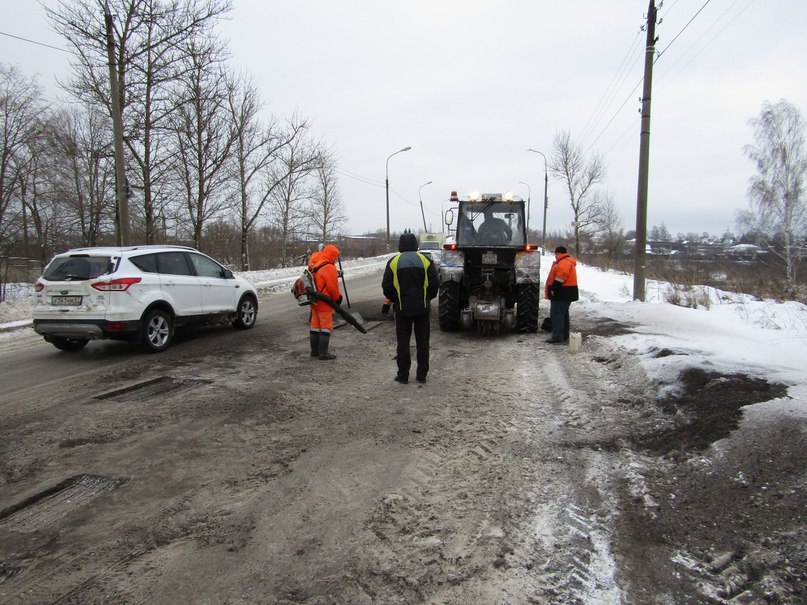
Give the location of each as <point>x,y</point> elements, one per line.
<point>546,198</point>
<point>386,180</point>
<point>423,214</point>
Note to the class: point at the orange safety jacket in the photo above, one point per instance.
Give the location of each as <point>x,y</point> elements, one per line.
<point>564,274</point>
<point>326,277</point>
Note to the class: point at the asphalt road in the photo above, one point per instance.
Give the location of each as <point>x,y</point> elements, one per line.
<point>234,468</point>
<point>30,362</point>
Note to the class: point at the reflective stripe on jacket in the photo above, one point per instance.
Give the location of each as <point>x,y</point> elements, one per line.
<point>410,282</point>
<point>564,271</point>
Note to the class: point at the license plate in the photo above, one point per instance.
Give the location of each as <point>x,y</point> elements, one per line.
<point>489,258</point>
<point>65,301</point>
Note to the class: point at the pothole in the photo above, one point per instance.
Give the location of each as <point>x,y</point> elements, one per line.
<point>55,502</point>
<point>149,389</point>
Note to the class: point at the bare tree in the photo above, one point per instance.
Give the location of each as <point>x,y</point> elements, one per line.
<point>203,134</point>
<point>609,224</point>
<point>569,164</point>
<point>256,151</point>
<point>21,110</point>
<point>326,209</point>
<point>660,233</point>
<point>83,171</point>
<point>150,36</point>
<point>777,192</point>
<point>288,194</point>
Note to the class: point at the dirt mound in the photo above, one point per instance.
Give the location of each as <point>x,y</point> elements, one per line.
<point>707,408</point>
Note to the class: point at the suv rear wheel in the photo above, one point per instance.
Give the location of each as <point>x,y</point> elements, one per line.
<point>157,331</point>
<point>247,313</point>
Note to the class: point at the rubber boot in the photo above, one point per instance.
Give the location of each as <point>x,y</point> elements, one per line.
<point>314,338</point>
<point>324,341</point>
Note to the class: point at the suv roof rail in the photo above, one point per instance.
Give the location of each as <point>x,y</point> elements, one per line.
<point>150,246</point>
<point>135,247</point>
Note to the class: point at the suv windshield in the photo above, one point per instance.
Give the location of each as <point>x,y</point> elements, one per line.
<point>77,267</point>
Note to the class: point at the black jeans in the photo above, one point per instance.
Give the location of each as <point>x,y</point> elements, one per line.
<point>403,332</point>
<point>559,313</point>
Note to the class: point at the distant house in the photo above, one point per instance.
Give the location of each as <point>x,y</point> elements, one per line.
<point>745,252</point>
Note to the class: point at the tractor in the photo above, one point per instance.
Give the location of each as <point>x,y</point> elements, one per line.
<point>489,274</point>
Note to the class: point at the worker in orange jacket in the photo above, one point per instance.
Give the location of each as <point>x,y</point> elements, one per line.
<point>561,290</point>
<point>326,278</point>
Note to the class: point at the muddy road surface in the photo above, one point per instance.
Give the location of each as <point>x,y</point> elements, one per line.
<point>234,468</point>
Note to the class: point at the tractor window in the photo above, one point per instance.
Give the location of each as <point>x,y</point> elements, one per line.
<point>491,224</point>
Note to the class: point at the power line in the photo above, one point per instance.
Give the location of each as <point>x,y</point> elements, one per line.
<point>34,42</point>
<point>629,130</point>
<point>682,30</point>
<point>616,113</point>
<point>358,177</point>
<point>602,104</point>
<point>667,12</point>
<point>715,37</point>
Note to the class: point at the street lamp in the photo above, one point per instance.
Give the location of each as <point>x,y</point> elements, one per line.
<point>421,205</point>
<point>386,174</point>
<point>546,198</point>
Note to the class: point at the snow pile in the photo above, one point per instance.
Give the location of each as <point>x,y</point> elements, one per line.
<point>736,334</point>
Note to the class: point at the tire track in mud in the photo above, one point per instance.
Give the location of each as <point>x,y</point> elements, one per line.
<point>325,481</point>
<point>440,526</point>
<point>581,567</point>
<point>472,513</point>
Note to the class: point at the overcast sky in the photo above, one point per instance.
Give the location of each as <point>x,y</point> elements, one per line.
<point>471,84</point>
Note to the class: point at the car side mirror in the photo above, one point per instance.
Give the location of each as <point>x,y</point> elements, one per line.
<point>449,217</point>
<point>228,274</point>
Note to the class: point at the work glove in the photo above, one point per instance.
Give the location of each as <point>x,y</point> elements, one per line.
<point>339,300</point>
<point>340,274</point>
<point>554,290</point>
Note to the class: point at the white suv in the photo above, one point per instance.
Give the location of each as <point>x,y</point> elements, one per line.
<point>137,293</point>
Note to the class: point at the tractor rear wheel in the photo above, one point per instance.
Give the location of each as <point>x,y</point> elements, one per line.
<point>527,307</point>
<point>449,306</point>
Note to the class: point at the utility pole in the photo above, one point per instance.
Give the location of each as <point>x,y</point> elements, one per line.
<point>123,237</point>
<point>644,158</point>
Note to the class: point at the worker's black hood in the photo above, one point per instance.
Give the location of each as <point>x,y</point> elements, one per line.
<point>408,243</point>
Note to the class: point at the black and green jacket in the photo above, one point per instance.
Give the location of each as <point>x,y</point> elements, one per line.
<point>410,282</point>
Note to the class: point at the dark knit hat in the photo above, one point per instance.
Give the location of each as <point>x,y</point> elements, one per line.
<point>408,243</point>
<point>561,250</point>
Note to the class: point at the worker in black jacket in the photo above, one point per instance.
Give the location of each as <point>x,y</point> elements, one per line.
<point>410,282</point>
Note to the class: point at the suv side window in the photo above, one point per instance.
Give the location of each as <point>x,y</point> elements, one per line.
<point>173,263</point>
<point>146,263</point>
<point>206,267</point>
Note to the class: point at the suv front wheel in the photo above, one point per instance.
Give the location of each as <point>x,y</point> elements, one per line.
<point>157,331</point>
